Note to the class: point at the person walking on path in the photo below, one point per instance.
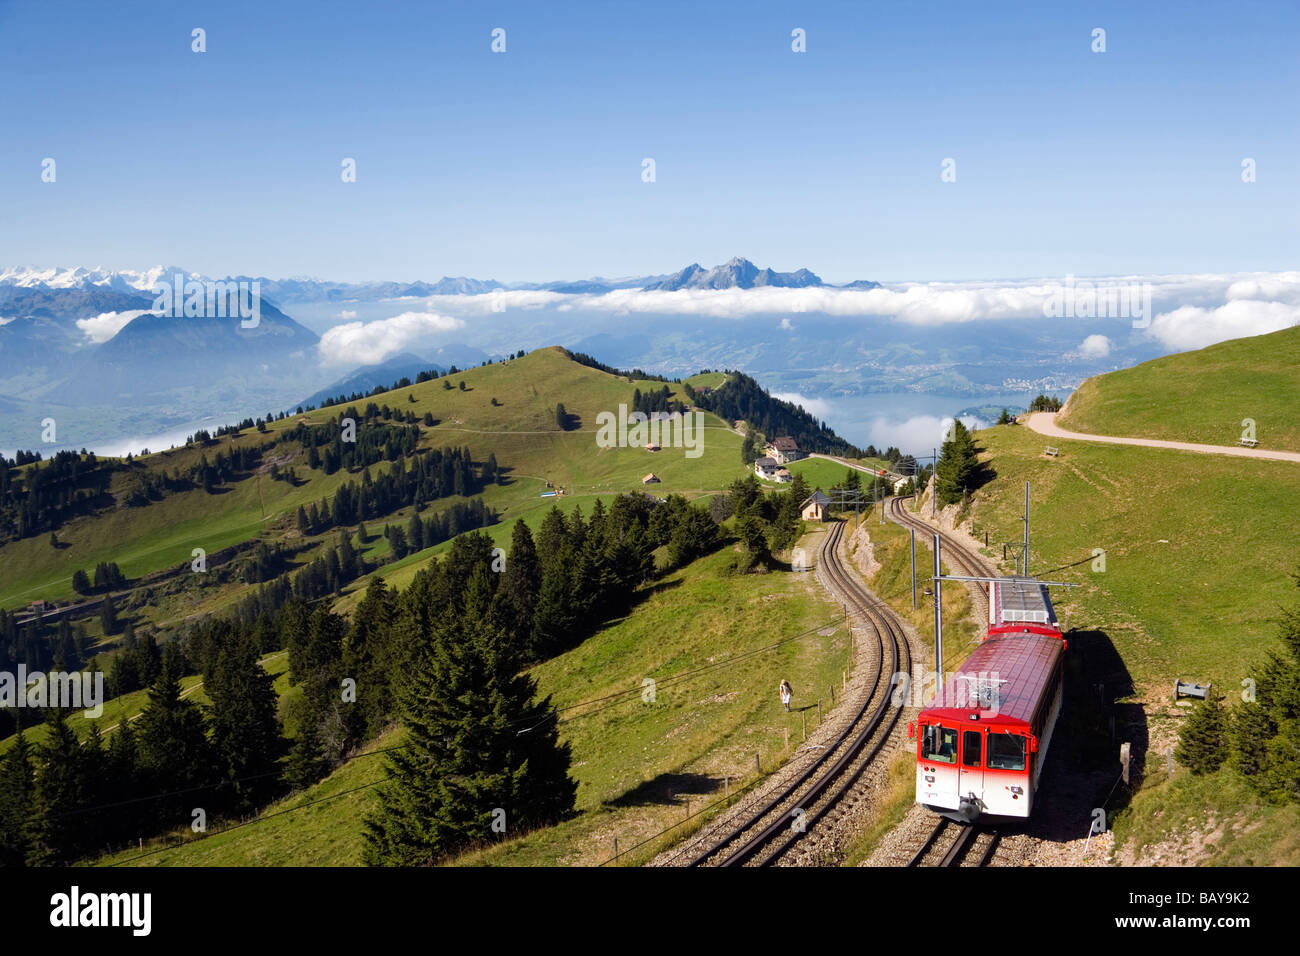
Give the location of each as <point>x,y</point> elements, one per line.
<point>786,693</point>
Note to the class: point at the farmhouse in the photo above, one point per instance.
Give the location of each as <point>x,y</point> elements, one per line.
<point>782,475</point>
<point>765,468</point>
<point>784,450</point>
<point>814,506</point>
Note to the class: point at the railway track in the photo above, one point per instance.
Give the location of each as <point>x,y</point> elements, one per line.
<point>955,553</point>
<point>968,845</point>
<point>780,821</point>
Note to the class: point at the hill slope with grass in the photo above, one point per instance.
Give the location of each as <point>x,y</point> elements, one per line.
<point>505,409</point>
<point>1200,396</point>
<point>1183,566</point>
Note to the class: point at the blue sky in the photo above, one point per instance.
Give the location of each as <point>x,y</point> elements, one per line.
<point>527,165</point>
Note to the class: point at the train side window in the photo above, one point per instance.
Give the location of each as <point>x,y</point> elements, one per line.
<point>1006,752</point>
<point>970,748</point>
<point>939,744</point>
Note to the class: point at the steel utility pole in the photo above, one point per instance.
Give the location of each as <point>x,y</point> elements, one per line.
<point>938,620</point>
<point>1026,558</point>
<point>913,532</point>
<point>935,479</point>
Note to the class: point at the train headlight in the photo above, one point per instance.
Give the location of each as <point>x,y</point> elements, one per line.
<point>929,778</point>
<point>1017,790</point>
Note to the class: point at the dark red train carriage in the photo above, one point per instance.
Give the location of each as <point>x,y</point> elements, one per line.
<point>981,743</point>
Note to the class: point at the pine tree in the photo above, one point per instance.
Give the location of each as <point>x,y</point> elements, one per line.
<point>752,537</point>
<point>957,468</point>
<point>1201,742</point>
<point>174,754</point>
<point>370,658</point>
<point>323,733</point>
<point>54,834</point>
<point>246,740</point>
<point>17,802</point>
<point>108,616</point>
<point>1252,727</point>
<point>93,785</point>
<point>477,744</point>
<point>799,491</point>
<point>348,563</point>
<point>521,583</point>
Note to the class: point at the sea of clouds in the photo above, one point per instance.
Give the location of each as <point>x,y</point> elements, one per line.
<point>1189,311</point>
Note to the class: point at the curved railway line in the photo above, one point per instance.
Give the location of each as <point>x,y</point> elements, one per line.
<point>955,552</point>
<point>780,821</point>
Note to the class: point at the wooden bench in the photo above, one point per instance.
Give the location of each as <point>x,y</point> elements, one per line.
<point>1054,452</point>
<point>1249,442</point>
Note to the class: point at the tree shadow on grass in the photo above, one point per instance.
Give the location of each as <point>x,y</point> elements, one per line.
<point>668,789</point>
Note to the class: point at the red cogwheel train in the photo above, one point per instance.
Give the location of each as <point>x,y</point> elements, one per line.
<point>982,740</point>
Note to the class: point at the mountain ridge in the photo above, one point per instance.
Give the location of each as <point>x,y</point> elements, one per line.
<point>738,272</point>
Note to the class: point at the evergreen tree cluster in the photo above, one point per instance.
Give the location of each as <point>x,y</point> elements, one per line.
<point>741,398</point>
<point>765,522</point>
<point>39,646</point>
<point>656,401</point>
<point>38,498</point>
<point>1044,403</point>
<point>1259,738</point>
<point>374,440</point>
<point>66,798</point>
<point>107,576</point>
<point>424,477</point>
<point>636,374</point>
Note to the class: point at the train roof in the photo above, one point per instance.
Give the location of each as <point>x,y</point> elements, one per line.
<point>1020,601</point>
<point>1016,668</point>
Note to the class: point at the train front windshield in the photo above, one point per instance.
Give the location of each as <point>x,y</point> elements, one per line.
<point>939,744</point>
<point>1006,752</point>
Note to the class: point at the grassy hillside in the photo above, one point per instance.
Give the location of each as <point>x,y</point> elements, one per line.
<point>1200,396</point>
<point>1197,549</point>
<point>520,430</point>
<point>636,762</point>
<point>1197,556</point>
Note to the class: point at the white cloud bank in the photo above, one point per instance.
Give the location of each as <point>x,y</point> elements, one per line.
<point>1191,310</point>
<point>365,343</point>
<point>1194,327</point>
<point>918,432</point>
<point>107,324</point>
<point>818,407</point>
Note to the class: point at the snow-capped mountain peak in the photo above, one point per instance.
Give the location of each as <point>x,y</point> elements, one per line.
<point>79,277</point>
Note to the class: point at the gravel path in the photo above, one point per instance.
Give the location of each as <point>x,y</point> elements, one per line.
<point>1045,424</point>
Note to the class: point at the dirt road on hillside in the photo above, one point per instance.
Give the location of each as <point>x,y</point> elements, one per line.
<point>1045,424</point>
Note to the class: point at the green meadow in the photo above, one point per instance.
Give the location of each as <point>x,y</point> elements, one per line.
<point>1203,396</point>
